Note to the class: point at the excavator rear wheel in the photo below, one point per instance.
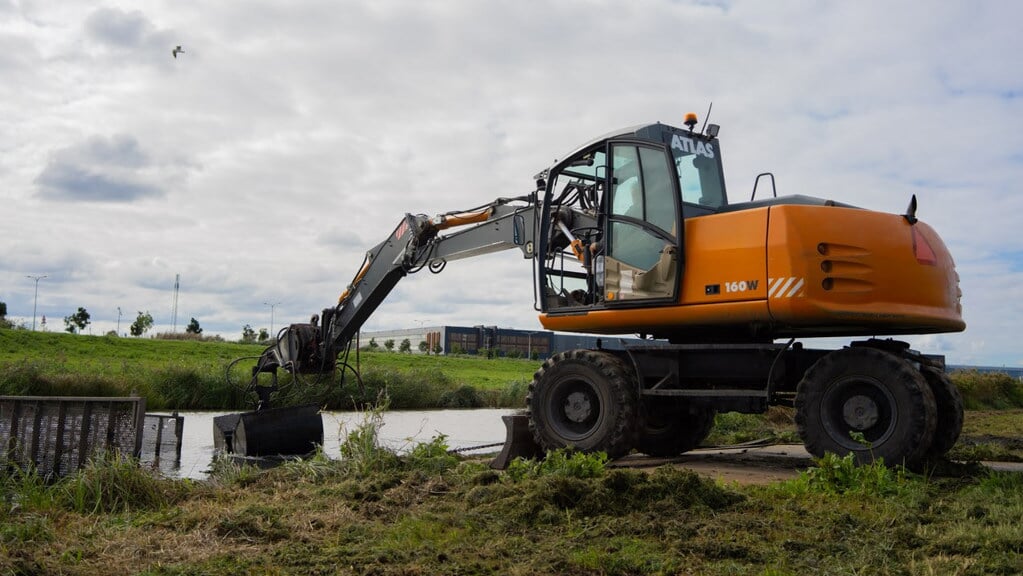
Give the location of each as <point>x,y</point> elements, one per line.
<point>868,402</point>
<point>671,428</point>
<point>585,400</point>
<point>950,412</point>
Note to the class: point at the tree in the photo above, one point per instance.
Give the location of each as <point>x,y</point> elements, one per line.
<point>424,347</point>
<point>143,322</point>
<point>4,322</point>
<point>77,321</point>
<point>193,327</point>
<point>405,347</point>
<point>389,344</point>
<point>263,334</point>
<point>437,348</point>
<point>248,334</point>
<point>373,344</point>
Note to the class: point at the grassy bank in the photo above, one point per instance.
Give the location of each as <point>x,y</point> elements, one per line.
<point>177,374</point>
<point>373,512</point>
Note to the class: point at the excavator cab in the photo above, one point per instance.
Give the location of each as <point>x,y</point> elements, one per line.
<point>615,210</point>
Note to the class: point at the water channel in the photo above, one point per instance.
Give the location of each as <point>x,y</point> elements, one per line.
<point>400,431</point>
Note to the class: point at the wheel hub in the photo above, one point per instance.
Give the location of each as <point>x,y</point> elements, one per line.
<point>860,412</point>
<point>577,407</point>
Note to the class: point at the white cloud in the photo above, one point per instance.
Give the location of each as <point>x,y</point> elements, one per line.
<point>288,139</point>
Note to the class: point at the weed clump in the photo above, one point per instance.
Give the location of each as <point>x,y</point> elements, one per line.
<point>776,425</point>
<point>842,475</point>
<point>563,463</point>
<point>361,451</point>
<point>114,483</point>
<point>571,484</point>
<point>432,457</point>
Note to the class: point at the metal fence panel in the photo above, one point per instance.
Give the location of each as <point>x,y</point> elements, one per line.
<point>161,442</point>
<point>57,435</point>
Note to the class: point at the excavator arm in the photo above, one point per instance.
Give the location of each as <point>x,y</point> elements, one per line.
<point>417,242</point>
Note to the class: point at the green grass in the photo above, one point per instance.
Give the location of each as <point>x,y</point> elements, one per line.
<point>427,512</point>
<point>484,374</point>
<point>110,356</point>
<point>180,374</point>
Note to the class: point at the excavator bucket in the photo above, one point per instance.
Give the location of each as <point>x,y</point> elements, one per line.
<point>289,431</point>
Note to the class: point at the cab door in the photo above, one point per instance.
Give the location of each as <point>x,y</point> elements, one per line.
<point>642,259</point>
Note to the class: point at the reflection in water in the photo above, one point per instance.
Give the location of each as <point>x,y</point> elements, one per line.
<point>400,431</point>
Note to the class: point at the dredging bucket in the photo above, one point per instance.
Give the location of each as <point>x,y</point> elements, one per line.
<point>289,431</point>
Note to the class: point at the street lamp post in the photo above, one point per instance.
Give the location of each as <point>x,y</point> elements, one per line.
<point>36,301</point>
<point>529,344</point>
<point>272,306</point>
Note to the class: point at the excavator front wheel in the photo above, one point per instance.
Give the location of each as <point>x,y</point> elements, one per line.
<point>869,402</point>
<point>585,400</point>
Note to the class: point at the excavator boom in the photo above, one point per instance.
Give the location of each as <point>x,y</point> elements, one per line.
<point>417,242</point>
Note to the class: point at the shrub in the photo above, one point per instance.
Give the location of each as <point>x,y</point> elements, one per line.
<point>189,336</point>
<point>513,395</point>
<point>24,379</point>
<point>31,379</point>
<point>464,396</point>
<point>192,388</point>
<point>988,390</point>
<point>413,390</point>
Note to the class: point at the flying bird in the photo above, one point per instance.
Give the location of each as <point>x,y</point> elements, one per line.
<point>177,50</point>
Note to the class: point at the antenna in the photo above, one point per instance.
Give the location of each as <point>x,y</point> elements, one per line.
<point>707,117</point>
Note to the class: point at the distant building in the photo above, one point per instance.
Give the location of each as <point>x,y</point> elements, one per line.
<point>491,340</point>
<point>540,344</point>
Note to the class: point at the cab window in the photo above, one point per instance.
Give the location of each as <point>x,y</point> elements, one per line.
<point>698,168</point>
<point>642,208</point>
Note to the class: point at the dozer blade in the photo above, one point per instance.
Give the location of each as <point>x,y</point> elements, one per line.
<point>519,442</point>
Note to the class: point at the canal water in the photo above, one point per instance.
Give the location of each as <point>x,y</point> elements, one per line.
<point>401,430</point>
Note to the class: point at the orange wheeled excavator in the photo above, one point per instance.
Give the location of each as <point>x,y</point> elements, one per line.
<point>633,233</point>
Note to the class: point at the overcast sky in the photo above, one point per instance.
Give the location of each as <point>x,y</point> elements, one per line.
<point>290,137</point>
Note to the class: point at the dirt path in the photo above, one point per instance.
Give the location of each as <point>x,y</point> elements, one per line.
<point>752,464</point>
<point>745,465</point>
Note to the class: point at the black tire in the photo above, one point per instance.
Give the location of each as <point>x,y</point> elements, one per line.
<point>950,412</point>
<point>872,392</point>
<point>583,400</point>
<point>671,428</point>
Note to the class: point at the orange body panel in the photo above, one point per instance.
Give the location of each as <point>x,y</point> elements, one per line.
<point>797,270</point>
<point>862,274</point>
